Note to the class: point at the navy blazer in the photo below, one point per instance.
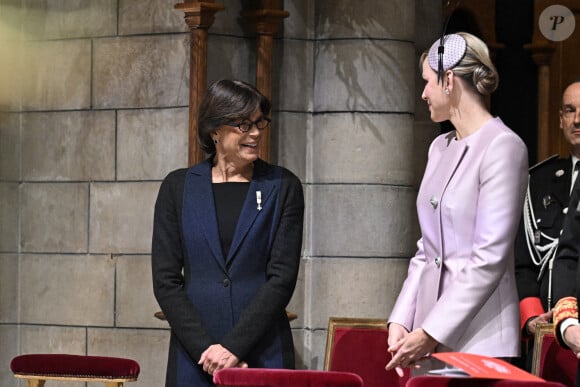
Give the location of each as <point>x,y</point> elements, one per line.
<point>237,301</point>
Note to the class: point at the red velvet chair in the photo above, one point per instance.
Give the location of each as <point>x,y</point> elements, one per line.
<point>268,377</point>
<point>448,381</point>
<point>359,345</point>
<point>36,369</point>
<point>550,361</point>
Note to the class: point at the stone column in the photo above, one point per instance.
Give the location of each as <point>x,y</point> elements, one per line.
<point>365,153</point>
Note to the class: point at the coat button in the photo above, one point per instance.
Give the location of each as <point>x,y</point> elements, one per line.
<point>438,261</point>
<point>434,202</point>
<point>226,282</point>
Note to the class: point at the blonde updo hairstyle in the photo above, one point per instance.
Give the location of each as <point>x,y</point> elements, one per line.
<point>476,66</point>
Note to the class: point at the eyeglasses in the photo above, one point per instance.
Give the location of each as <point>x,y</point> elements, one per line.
<point>246,125</point>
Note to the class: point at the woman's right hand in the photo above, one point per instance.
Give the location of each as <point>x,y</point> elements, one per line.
<point>396,334</point>
<point>216,357</point>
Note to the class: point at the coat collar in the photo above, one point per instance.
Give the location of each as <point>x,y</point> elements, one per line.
<point>450,166</point>
<point>199,194</point>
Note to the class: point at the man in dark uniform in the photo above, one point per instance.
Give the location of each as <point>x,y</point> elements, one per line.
<point>566,325</point>
<point>545,208</point>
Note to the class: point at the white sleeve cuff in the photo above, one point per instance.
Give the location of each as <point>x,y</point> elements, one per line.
<point>565,324</point>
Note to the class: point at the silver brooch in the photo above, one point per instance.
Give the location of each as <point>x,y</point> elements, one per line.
<point>259,200</point>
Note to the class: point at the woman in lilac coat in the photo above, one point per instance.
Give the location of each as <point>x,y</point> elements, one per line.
<point>460,293</point>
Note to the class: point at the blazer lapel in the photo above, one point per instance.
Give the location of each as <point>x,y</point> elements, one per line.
<point>262,185</point>
<point>452,163</point>
<point>199,207</point>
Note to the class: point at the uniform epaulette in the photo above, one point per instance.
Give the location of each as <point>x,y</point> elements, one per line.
<point>544,162</point>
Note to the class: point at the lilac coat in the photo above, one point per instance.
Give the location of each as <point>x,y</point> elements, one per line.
<point>460,286</point>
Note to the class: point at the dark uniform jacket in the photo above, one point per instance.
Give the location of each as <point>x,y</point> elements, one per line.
<point>237,300</point>
<point>566,263</point>
<point>566,271</point>
<point>549,194</point>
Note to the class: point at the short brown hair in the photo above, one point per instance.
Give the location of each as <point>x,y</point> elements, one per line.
<point>224,102</point>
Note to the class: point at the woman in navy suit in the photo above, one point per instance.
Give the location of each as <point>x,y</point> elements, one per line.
<point>227,238</point>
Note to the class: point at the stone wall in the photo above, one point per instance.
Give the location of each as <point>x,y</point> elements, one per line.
<point>94,114</point>
<point>365,147</point>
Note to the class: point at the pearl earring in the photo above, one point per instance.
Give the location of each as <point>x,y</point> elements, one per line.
<point>446,91</point>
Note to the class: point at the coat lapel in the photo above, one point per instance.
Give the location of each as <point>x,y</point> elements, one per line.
<point>263,183</point>
<point>448,166</point>
<point>199,206</point>
<point>452,163</point>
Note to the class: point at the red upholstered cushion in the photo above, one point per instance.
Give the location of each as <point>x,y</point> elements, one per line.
<point>364,352</point>
<point>447,381</point>
<point>556,363</point>
<point>75,365</point>
<point>267,377</point>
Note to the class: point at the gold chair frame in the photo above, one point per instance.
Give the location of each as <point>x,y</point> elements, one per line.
<point>348,322</point>
<point>541,331</point>
<point>40,380</point>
